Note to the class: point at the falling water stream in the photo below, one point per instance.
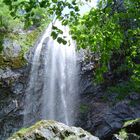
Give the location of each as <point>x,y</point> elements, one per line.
<point>52,90</point>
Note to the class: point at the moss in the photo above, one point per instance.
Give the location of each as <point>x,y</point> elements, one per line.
<point>1,60</point>
<point>123,134</point>
<point>131,122</point>
<point>15,62</point>
<point>26,131</point>
<point>130,130</point>
<point>84,108</point>
<point>26,41</point>
<point>52,130</point>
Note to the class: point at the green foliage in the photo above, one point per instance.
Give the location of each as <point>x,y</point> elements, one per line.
<point>99,32</point>
<point>123,89</point>
<point>13,29</point>
<point>107,32</point>
<point>32,10</point>
<point>56,35</point>
<point>7,23</point>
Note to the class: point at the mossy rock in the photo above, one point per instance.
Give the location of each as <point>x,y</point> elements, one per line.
<point>131,123</point>
<point>24,41</point>
<point>52,130</point>
<point>130,130</point>
<point>14,63</point>
<point>18,62</point>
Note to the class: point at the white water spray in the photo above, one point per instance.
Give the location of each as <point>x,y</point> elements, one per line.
<point>53,86</point>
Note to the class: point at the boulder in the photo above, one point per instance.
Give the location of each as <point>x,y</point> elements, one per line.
<point>52,130</point>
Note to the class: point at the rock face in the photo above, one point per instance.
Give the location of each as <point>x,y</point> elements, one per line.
<point>52,130</point>
<point>102,113</point>
<point>13,82</point>
<point>99,113</point>
<point>12,88</point>
<point>14,72</point>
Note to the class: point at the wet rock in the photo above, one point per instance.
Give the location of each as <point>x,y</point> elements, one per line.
<point>10,48</point>
<point>17,87</point>
<point>48,130</point>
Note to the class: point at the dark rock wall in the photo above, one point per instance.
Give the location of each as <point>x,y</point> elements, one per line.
<point>12,88</point>
<point>13,82</point>
<point>100,112</point>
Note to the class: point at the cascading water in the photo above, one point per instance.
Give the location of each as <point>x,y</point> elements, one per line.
<point>53,86</point>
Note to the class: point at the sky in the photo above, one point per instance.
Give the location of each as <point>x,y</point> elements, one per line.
<point>85,8</point>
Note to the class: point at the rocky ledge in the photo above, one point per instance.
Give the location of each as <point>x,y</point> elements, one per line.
<point>52,130</point>
<point>129,131</point>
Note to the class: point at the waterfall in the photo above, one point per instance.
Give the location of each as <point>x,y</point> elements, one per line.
<point>52,89</point>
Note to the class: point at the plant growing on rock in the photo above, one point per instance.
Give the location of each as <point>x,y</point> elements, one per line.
<point>112,31</point>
